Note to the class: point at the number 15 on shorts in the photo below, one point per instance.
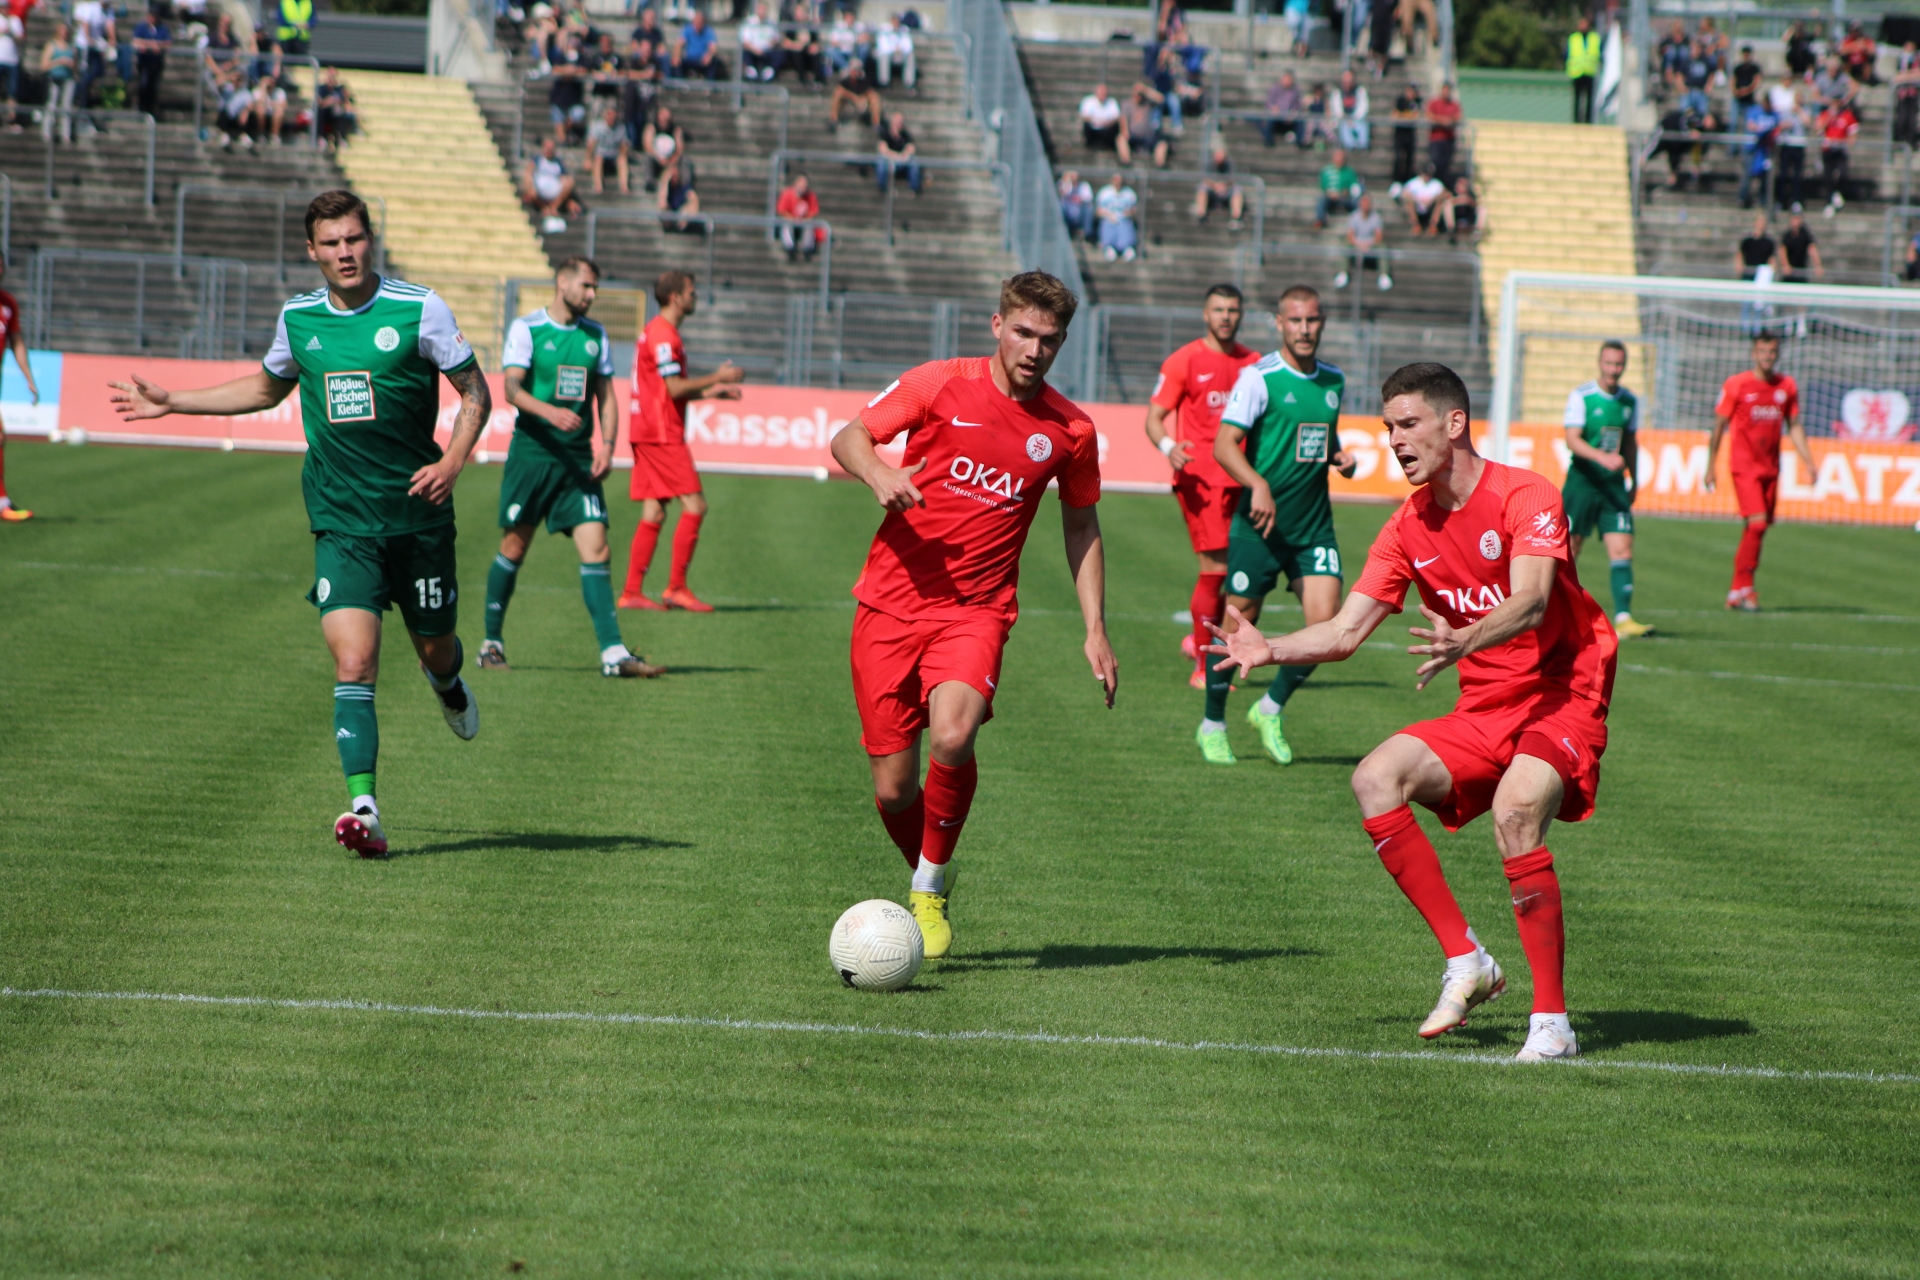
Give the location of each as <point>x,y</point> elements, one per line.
<point>429,591</point>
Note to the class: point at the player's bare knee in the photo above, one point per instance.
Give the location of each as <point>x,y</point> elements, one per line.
<point>951,744</point>
<point>1378,786</point>
<point>1517,828</point>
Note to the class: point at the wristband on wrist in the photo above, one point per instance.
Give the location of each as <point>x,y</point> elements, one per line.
<point>1166,445</point>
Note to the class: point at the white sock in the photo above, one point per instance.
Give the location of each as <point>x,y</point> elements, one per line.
<point>5,502</point>
<point>614,653</point>
<point>1468,961</point>
<point>364,804</point>
<point>1541,1021</point>
<point>1267,706</point>
<point>930,877</point>
<point>1213,726</point>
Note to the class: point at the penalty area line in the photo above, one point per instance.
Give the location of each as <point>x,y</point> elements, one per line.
<point>902,1033</point>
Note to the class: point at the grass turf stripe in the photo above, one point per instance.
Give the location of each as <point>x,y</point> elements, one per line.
<point>902,1033</point>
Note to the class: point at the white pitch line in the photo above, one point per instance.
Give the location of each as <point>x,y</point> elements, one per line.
<point>160,569</point>
<point>1637,669</point>
<point>900,1033</point>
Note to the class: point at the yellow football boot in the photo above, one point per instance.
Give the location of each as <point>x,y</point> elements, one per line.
<point>930,912</point>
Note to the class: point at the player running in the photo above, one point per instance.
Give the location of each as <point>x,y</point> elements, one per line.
<point>1194,384</point>
<point>1279,425</point>
<point>559,375</point>
<point>1753,405</point>
<point>367,354</point>
<point>1602,421</point>
<point>1487,546</point>
<point>657,428</point>
<point>13,332</point>
<point>937,595</point>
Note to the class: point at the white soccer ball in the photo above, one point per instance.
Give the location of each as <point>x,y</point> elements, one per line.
<point>77,436</point>
<point>876,946</point>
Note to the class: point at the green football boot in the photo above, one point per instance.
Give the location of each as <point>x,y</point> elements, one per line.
<point>1272,740</point>
<point>1214,746</point>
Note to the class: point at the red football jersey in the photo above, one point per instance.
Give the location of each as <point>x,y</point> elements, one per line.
<point>1461,562</point>
<point>989,459</point>
<point>1759,410</point>
<point>9,318</point>
<point>1194,383</point>
<point>653,416</point>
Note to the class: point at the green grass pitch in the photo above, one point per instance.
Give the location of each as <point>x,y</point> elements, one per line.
<point>1746,895</point>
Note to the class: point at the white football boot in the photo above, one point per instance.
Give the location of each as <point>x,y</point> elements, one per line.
<point>361,832</point>
<point>1461,991</point>
<point>1549,1039</point>
<point>458,706</point>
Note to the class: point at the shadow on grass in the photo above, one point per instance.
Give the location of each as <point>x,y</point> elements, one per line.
<point>1614,1028</point>
<point>1059,956</point>
<point>1344,684</point>
<point>543,842</point>
<point>1348,761</point>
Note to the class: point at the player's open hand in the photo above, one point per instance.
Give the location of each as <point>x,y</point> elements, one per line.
<point>1261,510</point>
<point>1106,668</point>
<point>1345,463</point>
<point>894,486</point>
<point>1244,647</point>
<point>1444,647</point>
<point>434,482</point>
<point>141,399</point>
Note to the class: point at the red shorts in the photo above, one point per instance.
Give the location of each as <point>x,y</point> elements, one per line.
<point>1756,494</point>
<point>898,662</point>
<point>1208,508</point>
<point>1477,747</point>
<point>662,471</point>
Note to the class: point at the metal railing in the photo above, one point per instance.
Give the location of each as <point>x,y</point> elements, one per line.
<point>961,41</point>
<point>134,302</point>
<point>1902,213</point>
<point>1255,185</point>
<point>778,161</point>
<point>279,196</point>
<point>6,218</point>
<point>200,76</point>
<point>708,221</point>
<point>1643,147</point>
<point>739,91</point>
<point>52,131</point>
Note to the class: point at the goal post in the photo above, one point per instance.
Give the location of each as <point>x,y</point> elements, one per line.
<point>1853,352</point>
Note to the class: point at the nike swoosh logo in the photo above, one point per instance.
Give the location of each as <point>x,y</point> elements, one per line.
<point>1378,845</point>
<point>950,822</point>
<point>958,423</point>
<point>1421,564</point>
<point>1203,377</point>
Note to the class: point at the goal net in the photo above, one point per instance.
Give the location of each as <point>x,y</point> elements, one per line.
<point>1854,354</point>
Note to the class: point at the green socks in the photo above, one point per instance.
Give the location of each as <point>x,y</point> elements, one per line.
<point>1620,575</point>
<point>1219,684</point>
<point>596,588</point>
<point>1289,679</point>
<point>501,579</point>
<point>356,730</point>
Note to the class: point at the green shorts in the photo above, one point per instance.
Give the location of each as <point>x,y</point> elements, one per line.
<point>1592,507</point>
<point>412,570</point>
<point>1255,565</point>
<point>536,486</point>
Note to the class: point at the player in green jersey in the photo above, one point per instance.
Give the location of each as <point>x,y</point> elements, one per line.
<point>1278,436</point>
<point>367,354</point>
<point>559,375</point>
<point>1601,420</point>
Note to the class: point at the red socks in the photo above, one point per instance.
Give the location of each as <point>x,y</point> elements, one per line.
<point>686,536</point>
<point>948,796</point>
<point>1747,559</point>
<point>3,468</point>
<point>905,828</point>
<point>1409,858</point>
<point>1543,930</point>
<point>640,558</point>
<point>1209,605</point>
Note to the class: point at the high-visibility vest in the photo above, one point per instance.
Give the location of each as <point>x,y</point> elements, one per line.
<point>296,20</point>
<point>1583,52</point>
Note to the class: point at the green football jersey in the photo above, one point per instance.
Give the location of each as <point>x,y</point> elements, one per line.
<point>369,400</point>
<point>565,364</point>
<point>1292,421</point>
<point>1604,421</point>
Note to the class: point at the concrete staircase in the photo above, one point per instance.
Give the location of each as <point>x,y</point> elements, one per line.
<point>454,221</point>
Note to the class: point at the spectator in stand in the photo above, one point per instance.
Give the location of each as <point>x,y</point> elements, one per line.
<point>1798,43</point>
<point>1696,76</point>
<point>896,155</point>
<point>1748,81</point>
<point>567,95</point>
<point>1838,128</point>
<point>1462,212</point>
<point>1913,257</point>
<point>60,64</point>
<point>235,116</point>
<point>1673,54</point>
<point>843,39</point>
<point>1114,208</point>
<point>1407,110</point>
<point>1756,252</point>
<point>13,37</point>
<point>662,140</point>
<point>1443,123</point>
<point>697,55</point>
<point>1298,15</point>
<point>1170,23</point>
<point>1790,142</point>
<point>1100,119</point>
<point>1219,191</point>
<point>1283,110</point>
<point>607,146</point>
<point>760,51</point>
<point>1366,241</point>
<point>1906,94</point>
<point>269,102</point>
<point>640,90</point>
<point>295,31</point>
<point>1859,51</point>
<point>1339,188</point>
<point>1173,92</point>
<point>151,40</point>
<point>1583,67</point>
<point>541,33</point>
<point>335,104</point>
<point>1683,131</point>
<point>798,204</point>
<point>650,30</point>
<point>1417,10</point>
<point>1380,23</point>
<point>1833,87</point>
<point>1076,204</point>
<point>1798,261</point>
<point>853,87</point>
<point>1716,44</point>
<point>1140,130</point>
<point>93,38</point>
<point>801,45</point>
<point>893,51</point>
<point>1425,199</point>
<point>1347,109</point>
<point>548,188</point>
<point>1313,125</point>
<point>606,74</point>
<point>677,192</point>
<point>1761,128</point>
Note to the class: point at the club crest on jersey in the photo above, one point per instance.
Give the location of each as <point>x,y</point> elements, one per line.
<point>1333,399</point>
<point>1490,545</point>
<point>1039,447</point>
<point>387,338</point>
<point>593,347</point>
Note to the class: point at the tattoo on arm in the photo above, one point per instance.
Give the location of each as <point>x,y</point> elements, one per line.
<point>476,406</point>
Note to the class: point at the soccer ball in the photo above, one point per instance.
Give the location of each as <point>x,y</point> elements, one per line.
<point>876,946</point>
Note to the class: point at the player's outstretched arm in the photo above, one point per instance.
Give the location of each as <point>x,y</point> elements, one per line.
<point>434,482</point>
<point>892,486</point>
<point>249,393</point>
<point>1087,561</point>
<point>1334,640</point>
<point>1520,613</point>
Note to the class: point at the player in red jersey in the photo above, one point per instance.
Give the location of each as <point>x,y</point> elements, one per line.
<point>657,430</point>
<point>1194,384</point>
<point>1753,405</point>
<point>13,335</point>
<point>1487,546</point>
<point>985,436</point>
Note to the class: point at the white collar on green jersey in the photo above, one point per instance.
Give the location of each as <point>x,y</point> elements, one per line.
<point>1280,359</point>
<point>387,287</point>
<point>542,317</point>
